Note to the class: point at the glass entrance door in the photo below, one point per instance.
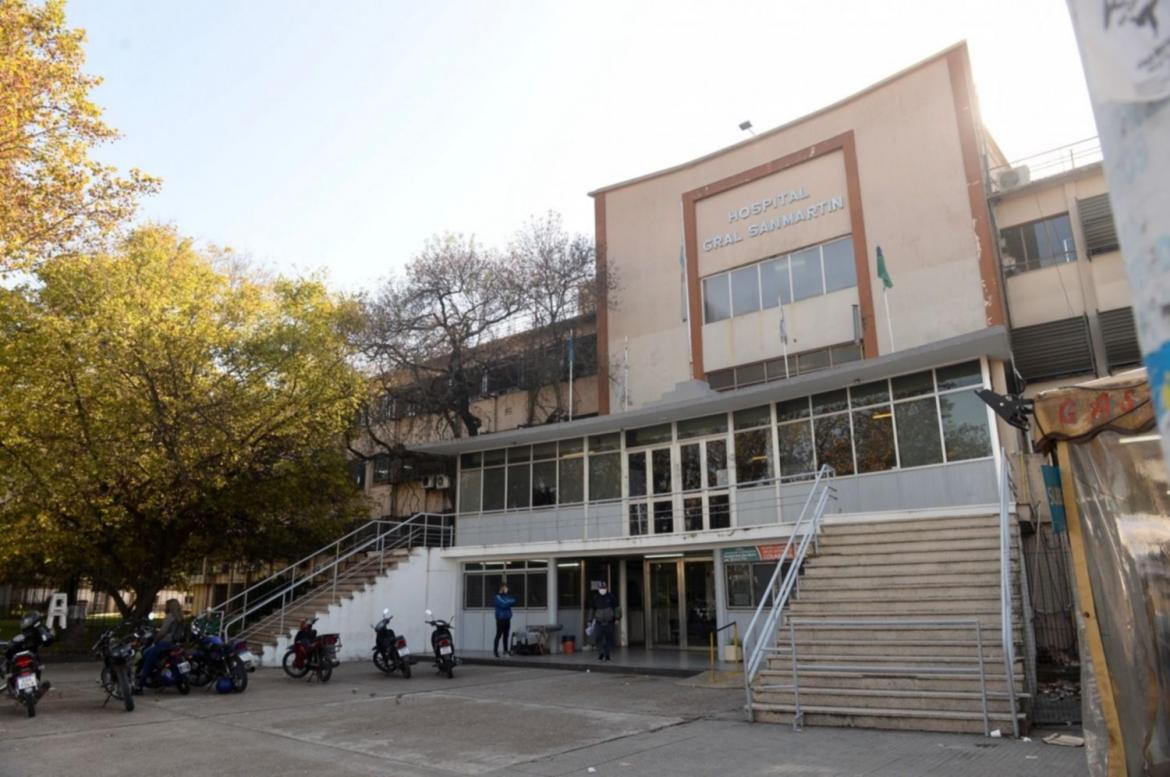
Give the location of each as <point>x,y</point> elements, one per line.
<point>681,593</point>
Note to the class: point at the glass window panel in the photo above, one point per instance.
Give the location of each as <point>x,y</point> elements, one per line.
<point>959,376</point>
<point>1054,240</point>
<point>472,591</point>
<point>830,402</point>
<point>806,273</point>
<point>965,432</point>
<point>774,283</point>
<point>639,518</point>
<point>721,379</point>
<point>699,427</point>
<point>843,354</point>
<point>544,483</point>
<point>716,464</point>
<point>663,517</point>
<point>831,434</point>
<point>519,453</point>
<point>605,477</point>
<point>918,440</point>
<point>739,585</point>
<point>491,584</point>
<point>870,393</point>
<point>796,449</point>
<point>777,371</point>
<point>1012,244</point>
<point>648,435</point>
<point>791,409</point>
<point>692,472</point>
<point>569,447</point>
<point>912,385</point>
<point>472,566</point>
<point>753,456</point>
<point>812,361</point>
<point>516,587</point>
<point>749,374</point>
<point>873,437</point>
<point>605,442</point>
<point>546,450</point>
<point>745,290</point>
<point>660,471</point>
<point>840,266</point>
<point>494,457</point>
<point>693,513</point>
<point>569,586</point>
<point>382,468</point>
<point>469,460</point>
<point>716,299</point>
<point>357,473</point>
<point>636,463</point>
<point>469,490</point>
<point>537,589</point>
<point>493,489</point>
<point>571,488</point>
<point>519,480</point>
<point>761,576</point>
<point>752,416</point>
<point>719,509</point>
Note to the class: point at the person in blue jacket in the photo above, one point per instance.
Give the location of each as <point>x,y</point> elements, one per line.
<point>503,620</point>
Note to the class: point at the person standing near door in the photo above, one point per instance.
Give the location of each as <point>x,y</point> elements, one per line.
<point>606,611</point>
<point>503,621</point>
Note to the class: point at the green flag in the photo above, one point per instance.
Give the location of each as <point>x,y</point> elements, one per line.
<point>883,273</point>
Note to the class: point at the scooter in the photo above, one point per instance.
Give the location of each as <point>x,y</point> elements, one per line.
<point>390,651</point>
<point>443,644</point>
<point>21,668</point>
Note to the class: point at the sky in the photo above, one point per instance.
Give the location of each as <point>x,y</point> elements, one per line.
<point>338,137</point>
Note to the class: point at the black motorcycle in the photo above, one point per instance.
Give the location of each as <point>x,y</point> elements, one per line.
<point>115,647</point>
<point>390,651</point>
<point>444,646</point>
<point>21,668</point>
<point>227,662</point>
<point>171,669</point>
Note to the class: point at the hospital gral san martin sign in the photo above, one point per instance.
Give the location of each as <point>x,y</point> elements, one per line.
<point>770,214</point>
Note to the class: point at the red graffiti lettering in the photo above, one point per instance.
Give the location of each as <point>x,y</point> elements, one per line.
<point>1068,412</point>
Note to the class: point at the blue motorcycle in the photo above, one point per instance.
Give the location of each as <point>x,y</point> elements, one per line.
<point>213,658</point>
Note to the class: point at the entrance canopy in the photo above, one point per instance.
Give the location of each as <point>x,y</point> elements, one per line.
<point>1119,403</point>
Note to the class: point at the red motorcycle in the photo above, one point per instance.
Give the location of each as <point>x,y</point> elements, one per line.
<point>312,652</point>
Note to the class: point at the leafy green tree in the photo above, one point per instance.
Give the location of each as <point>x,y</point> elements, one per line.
<point>159,403</point>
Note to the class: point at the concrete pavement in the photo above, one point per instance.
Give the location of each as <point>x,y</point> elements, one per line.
<point>487,721</point>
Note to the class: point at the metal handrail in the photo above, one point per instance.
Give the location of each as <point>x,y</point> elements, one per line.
<point>418,525</point>
<point>1005,582</point>
<point>807,527</point>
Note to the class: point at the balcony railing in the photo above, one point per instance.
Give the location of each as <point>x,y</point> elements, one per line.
<point>1046,164</point>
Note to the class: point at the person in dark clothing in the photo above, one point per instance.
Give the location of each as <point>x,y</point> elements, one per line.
<point>606,611</point>
<point>170,632</point>
<point>503,621</point>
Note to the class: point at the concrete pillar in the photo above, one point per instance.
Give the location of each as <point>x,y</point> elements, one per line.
<point>623,601</point>
<point>721,612</point>
<point>554,640</point>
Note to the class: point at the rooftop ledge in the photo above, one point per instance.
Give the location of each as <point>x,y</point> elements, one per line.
<point>694,398</point>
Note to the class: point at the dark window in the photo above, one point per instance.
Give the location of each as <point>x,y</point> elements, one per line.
<point>918,440</point>
<point>869,393</point>
<point>639,522</point>
<point>636,465</point>
<point>806,273</point>
<point>749,374</point>
<point>357,473</point>
<point>753,456</point>
<point>605,477</point>
<point>572,482</point>
<point>537,592</point>
<point>716,464</point>
<point>745,290</point>
<point>381,469</point>
<point>516,589</point>
<point>1043,243</point>
<point>518,487</point>
<point>473,591</point>
<point>812,361</point>
<point>721,379</point>
<point>774,284</point>
<point>493,488</point>
<point>833,444</point>
<point>840,267</point>
<point>719,507</point>
<point>873,436</point>
<point>959,376</point>
<point>965,432</point>
<point>569,586</point>
<point>605,442</point>
<point>752,417</point>
<point>693,513</point>
<point>469,481</point>
<point>692,473</point>
<point>663,517</point>
<point>829,402</point>
<point>647,435</point>
<point>700,427</point>
<point>470,460</point>
<point>796,449</point>
<point>906,386</point>
<point>544,483</point>
<point>792,409</point>
<point>716,299</point>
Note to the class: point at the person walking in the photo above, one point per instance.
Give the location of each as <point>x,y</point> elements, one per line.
<point>607,612</point>
<point>503,621</point>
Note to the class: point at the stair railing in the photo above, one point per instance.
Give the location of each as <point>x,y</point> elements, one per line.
<point>762,631</point>
<point>320,569</point>
<point>1007,618</point>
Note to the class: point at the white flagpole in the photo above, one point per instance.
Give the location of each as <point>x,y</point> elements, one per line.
<point>571,355</point>
<point>626,377</point>
<point>783,335</point>
<point>889,321</point>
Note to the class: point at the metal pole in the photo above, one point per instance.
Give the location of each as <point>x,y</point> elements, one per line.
<point>983,678</point>
<point>797,715</point>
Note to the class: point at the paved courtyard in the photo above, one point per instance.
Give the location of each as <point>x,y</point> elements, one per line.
<point>489,720</point>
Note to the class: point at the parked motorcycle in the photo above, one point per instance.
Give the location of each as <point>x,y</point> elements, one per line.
<point>443,644</point>
<point>115,647</point>
<point>171,670</point>
<point>311,652</point>
<point>21,668</point>
<point>226,662</point>
<point>390,651</point>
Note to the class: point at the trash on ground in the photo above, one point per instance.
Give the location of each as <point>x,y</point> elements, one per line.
<point>996,734</point>
<point>1065,740</point>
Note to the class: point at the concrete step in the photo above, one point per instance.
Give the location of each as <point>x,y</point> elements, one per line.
<point>952,701</point>
<point>906,532</point>
<point>926,608</point>
<point>891,555</point>
<point>940,721</point>
<point>888,682</point>
<point>991,634</point>
<point>925,592</point>
<point>834,527</point>
<point>812,644</point>
<point>917,582</point>
<point>897,566</point>
<point>986,545</point>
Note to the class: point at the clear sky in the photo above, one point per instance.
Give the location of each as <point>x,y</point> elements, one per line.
<point>340,135</point>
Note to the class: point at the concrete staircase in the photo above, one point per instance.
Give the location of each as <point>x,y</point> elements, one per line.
<point>356,575</point>
<point>913,675</point>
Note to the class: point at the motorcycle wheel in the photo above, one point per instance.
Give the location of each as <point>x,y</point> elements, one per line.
<point>200,674</point>
<point>324,672</point>
<point>381,662</point>
<point>450,671</point>
<point>405,670</point>
<point>239,674</point>
<point>30,701</point>
<point>290,667</point>
<point>124,688</point>
<point>183,684</point>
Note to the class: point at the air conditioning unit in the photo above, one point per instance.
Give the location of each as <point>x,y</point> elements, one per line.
<point>1013,177</point>
<point>428,481</point>
<point>436,482</point>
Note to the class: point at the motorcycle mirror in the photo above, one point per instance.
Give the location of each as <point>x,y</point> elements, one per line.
<point>429,613</point>
<point>385,611</point>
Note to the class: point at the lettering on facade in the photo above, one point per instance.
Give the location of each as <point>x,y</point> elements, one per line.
<point>775,222</point>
